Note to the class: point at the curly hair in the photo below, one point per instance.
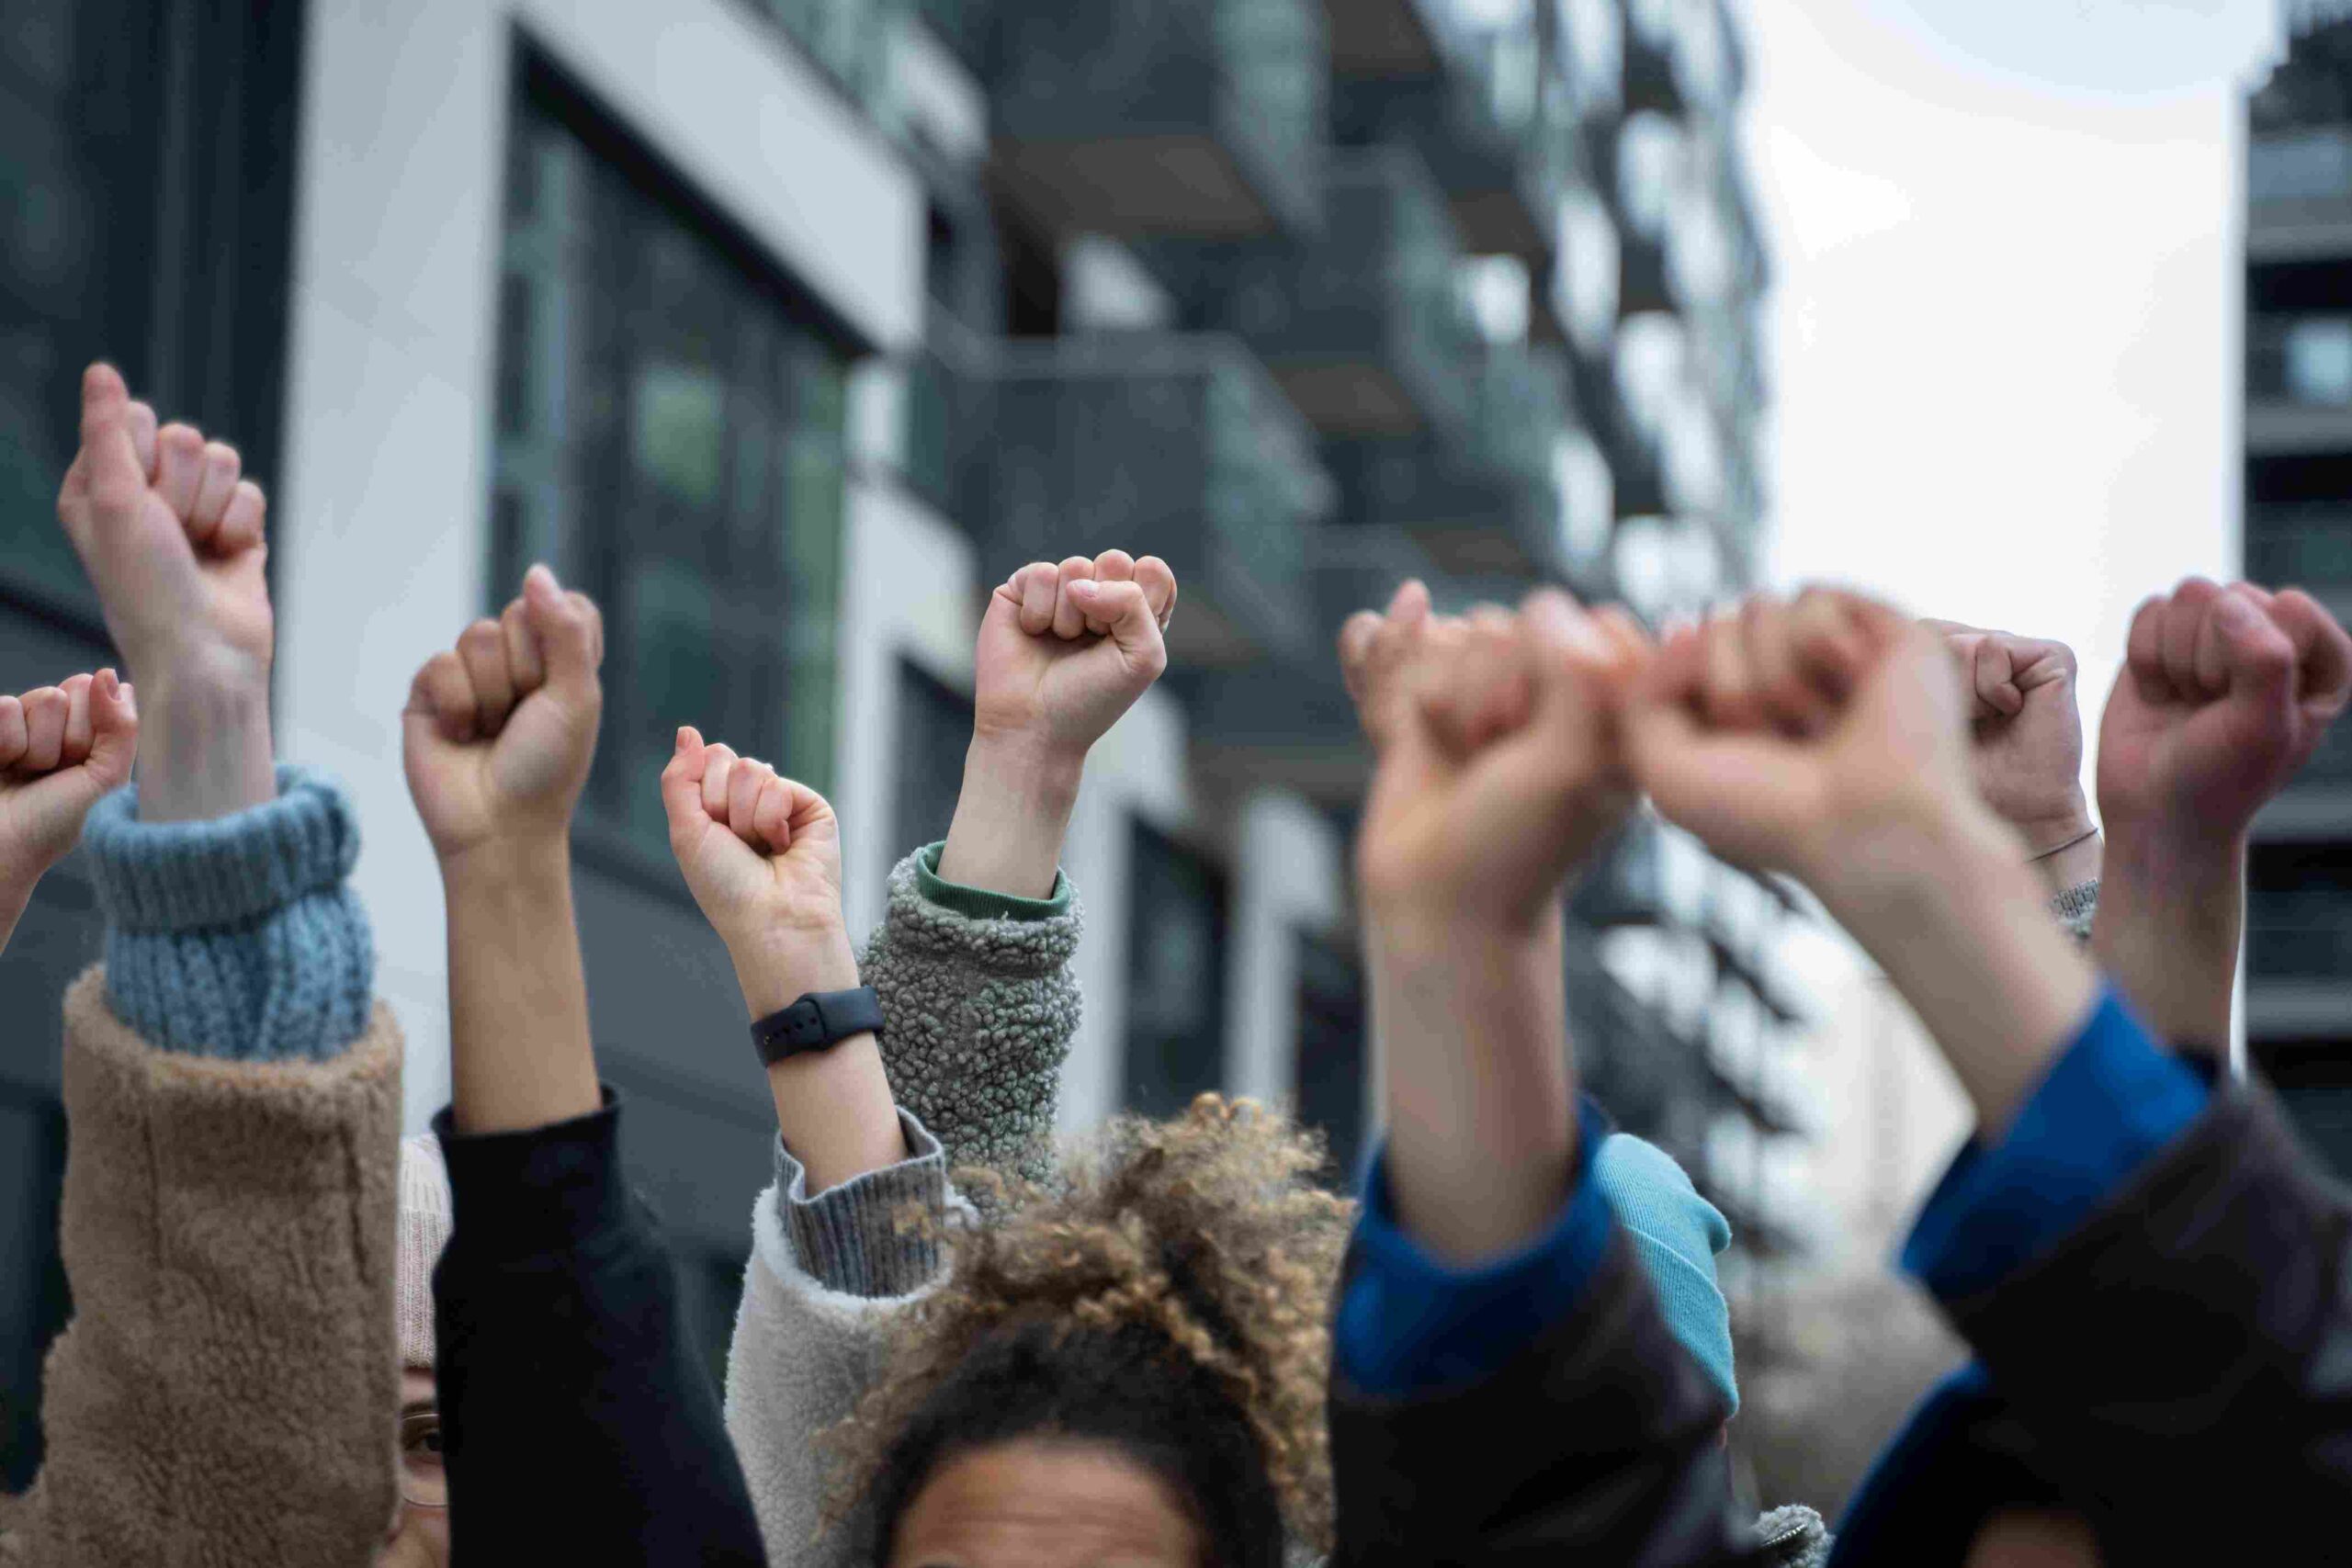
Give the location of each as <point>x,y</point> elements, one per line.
<point>1168,1292</point>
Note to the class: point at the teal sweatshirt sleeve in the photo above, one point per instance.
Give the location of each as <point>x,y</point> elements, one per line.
<point>237,937</point>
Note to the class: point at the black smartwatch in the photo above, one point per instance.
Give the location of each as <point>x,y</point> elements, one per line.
<point>816,1020</point>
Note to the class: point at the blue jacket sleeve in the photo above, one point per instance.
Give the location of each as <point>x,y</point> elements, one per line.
<point>2107,1105</point>
<point>1410,1324</point>
<point>237,937</point>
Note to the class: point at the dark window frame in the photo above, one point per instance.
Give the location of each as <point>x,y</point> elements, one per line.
<point>1139,1093</point>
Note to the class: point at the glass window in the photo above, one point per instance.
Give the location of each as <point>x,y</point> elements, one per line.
<point>2299,911</point>
<point>2301,358</point>
<point>669,437</point>
<point>934,731</point>
<point>1176,935</point>
<point>2300,166</point>
<point>1332,1061</point>
<point>76,253</point>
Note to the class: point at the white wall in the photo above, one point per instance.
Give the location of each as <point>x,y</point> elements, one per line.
<point>1288,871</point>
<point>380,516</point>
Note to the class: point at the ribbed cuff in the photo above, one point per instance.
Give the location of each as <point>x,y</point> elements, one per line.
<point>877,1235</point>
<point>2074,909</point>
<point>540,1191</point>
<point>980,903</point>
<point>236,937</point>
<point>180,877</point>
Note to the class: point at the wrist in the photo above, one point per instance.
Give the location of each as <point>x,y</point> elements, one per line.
<point>204,743</point>
<point>528,864</point>
<point>778,966</point>
<point>1012,815</point>
<point>1894,868</point>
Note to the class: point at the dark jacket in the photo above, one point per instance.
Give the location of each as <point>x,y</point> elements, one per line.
<point>2191,1340</point>
<point>579,1422</point>
<point>1599,1443</point>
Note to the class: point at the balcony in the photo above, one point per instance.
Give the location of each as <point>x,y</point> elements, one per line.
<point>1181,446</point>
<point>2299,189</point>
<point>2302,547</point>
<point>1363,327</point>
<point>2299,384</point>
<point>1485,501</point>
<point>1481,125</point>
<point>1139,118</point>
<point>1653,70</point>
<point>1381,38</point>
<point>1628,887</point>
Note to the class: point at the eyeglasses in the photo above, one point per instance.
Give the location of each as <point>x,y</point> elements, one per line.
<point>425,1480</point>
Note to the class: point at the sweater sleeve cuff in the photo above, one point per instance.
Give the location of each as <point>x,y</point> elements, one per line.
<point>2109,1103</point>
<point>980,903</point>
<point>878,1234</point>
<point>1411,1324</point>
<point>237,937</point>
<point>540,1191</point>
<point>182,876</point>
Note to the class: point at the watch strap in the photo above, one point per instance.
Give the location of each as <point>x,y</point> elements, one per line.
<point>817,1020</point>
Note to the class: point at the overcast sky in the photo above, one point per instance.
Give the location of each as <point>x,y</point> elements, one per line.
<point>2004,317</point>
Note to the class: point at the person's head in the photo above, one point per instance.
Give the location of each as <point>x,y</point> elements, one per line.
<point>419,1533</point>
<point>1128,1366</point>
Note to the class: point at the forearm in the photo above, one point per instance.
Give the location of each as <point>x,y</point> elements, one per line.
<point>1472,1027</point>
<point>833,1108</point>
<point>1011,817</point>
<point>521,1055</point>
<point>1959,926</point>
<point>2167,930</point>
<point>204,744</point>
<point>15,893</point>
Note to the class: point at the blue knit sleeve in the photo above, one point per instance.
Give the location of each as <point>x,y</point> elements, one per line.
<point>236,937</point>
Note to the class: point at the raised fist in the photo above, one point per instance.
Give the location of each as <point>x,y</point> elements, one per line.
<point>2026,728</point>
<point>171,534</point>
<point>60,748</point>
<point>499,732</point>
<point>1065,650</point>
<point>1798,735</point>
<point>1499,768</point>
<point>2224,695</point>
<point>763,855</point>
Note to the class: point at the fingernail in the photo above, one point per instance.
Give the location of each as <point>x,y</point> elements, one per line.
<point>539,578</point>
<point>680,744</point>
<point>1084,587</point>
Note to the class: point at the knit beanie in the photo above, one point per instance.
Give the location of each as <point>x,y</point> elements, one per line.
<point>1675,1234</point>
<point>425,1224</point>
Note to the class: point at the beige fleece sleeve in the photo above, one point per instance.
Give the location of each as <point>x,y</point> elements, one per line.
<point>227,1387</point>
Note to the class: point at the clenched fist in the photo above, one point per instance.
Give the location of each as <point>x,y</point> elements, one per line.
<point>1065,650</point>
<point>1803,736</point>
<point>762,856</point>
<point>2224,693</point>
<point>1499,772</point>
<point>2026,729</point>
<point>499,732</point>
<point>60,748</point>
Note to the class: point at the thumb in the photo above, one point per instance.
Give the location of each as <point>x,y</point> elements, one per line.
<point>1133,629</point>
<point>682,782</point>
<point>114,476</point>
<point>566,627</point>
<point>114,733</point>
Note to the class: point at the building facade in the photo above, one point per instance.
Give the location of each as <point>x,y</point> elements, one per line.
<point>786,328</point>
<point>2298,512</point>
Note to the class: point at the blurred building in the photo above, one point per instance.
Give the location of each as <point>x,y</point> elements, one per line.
<point>2299,530</point>
<point>787,328</point>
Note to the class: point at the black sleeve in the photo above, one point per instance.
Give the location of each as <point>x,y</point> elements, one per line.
<point>1601,1443</point>
<point>2183,1362</point>
<point>577,1421</point>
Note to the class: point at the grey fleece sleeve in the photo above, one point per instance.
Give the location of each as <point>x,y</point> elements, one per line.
<point>877,1235</point>
<point>2074,908</point>
<point>980,1008</point>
